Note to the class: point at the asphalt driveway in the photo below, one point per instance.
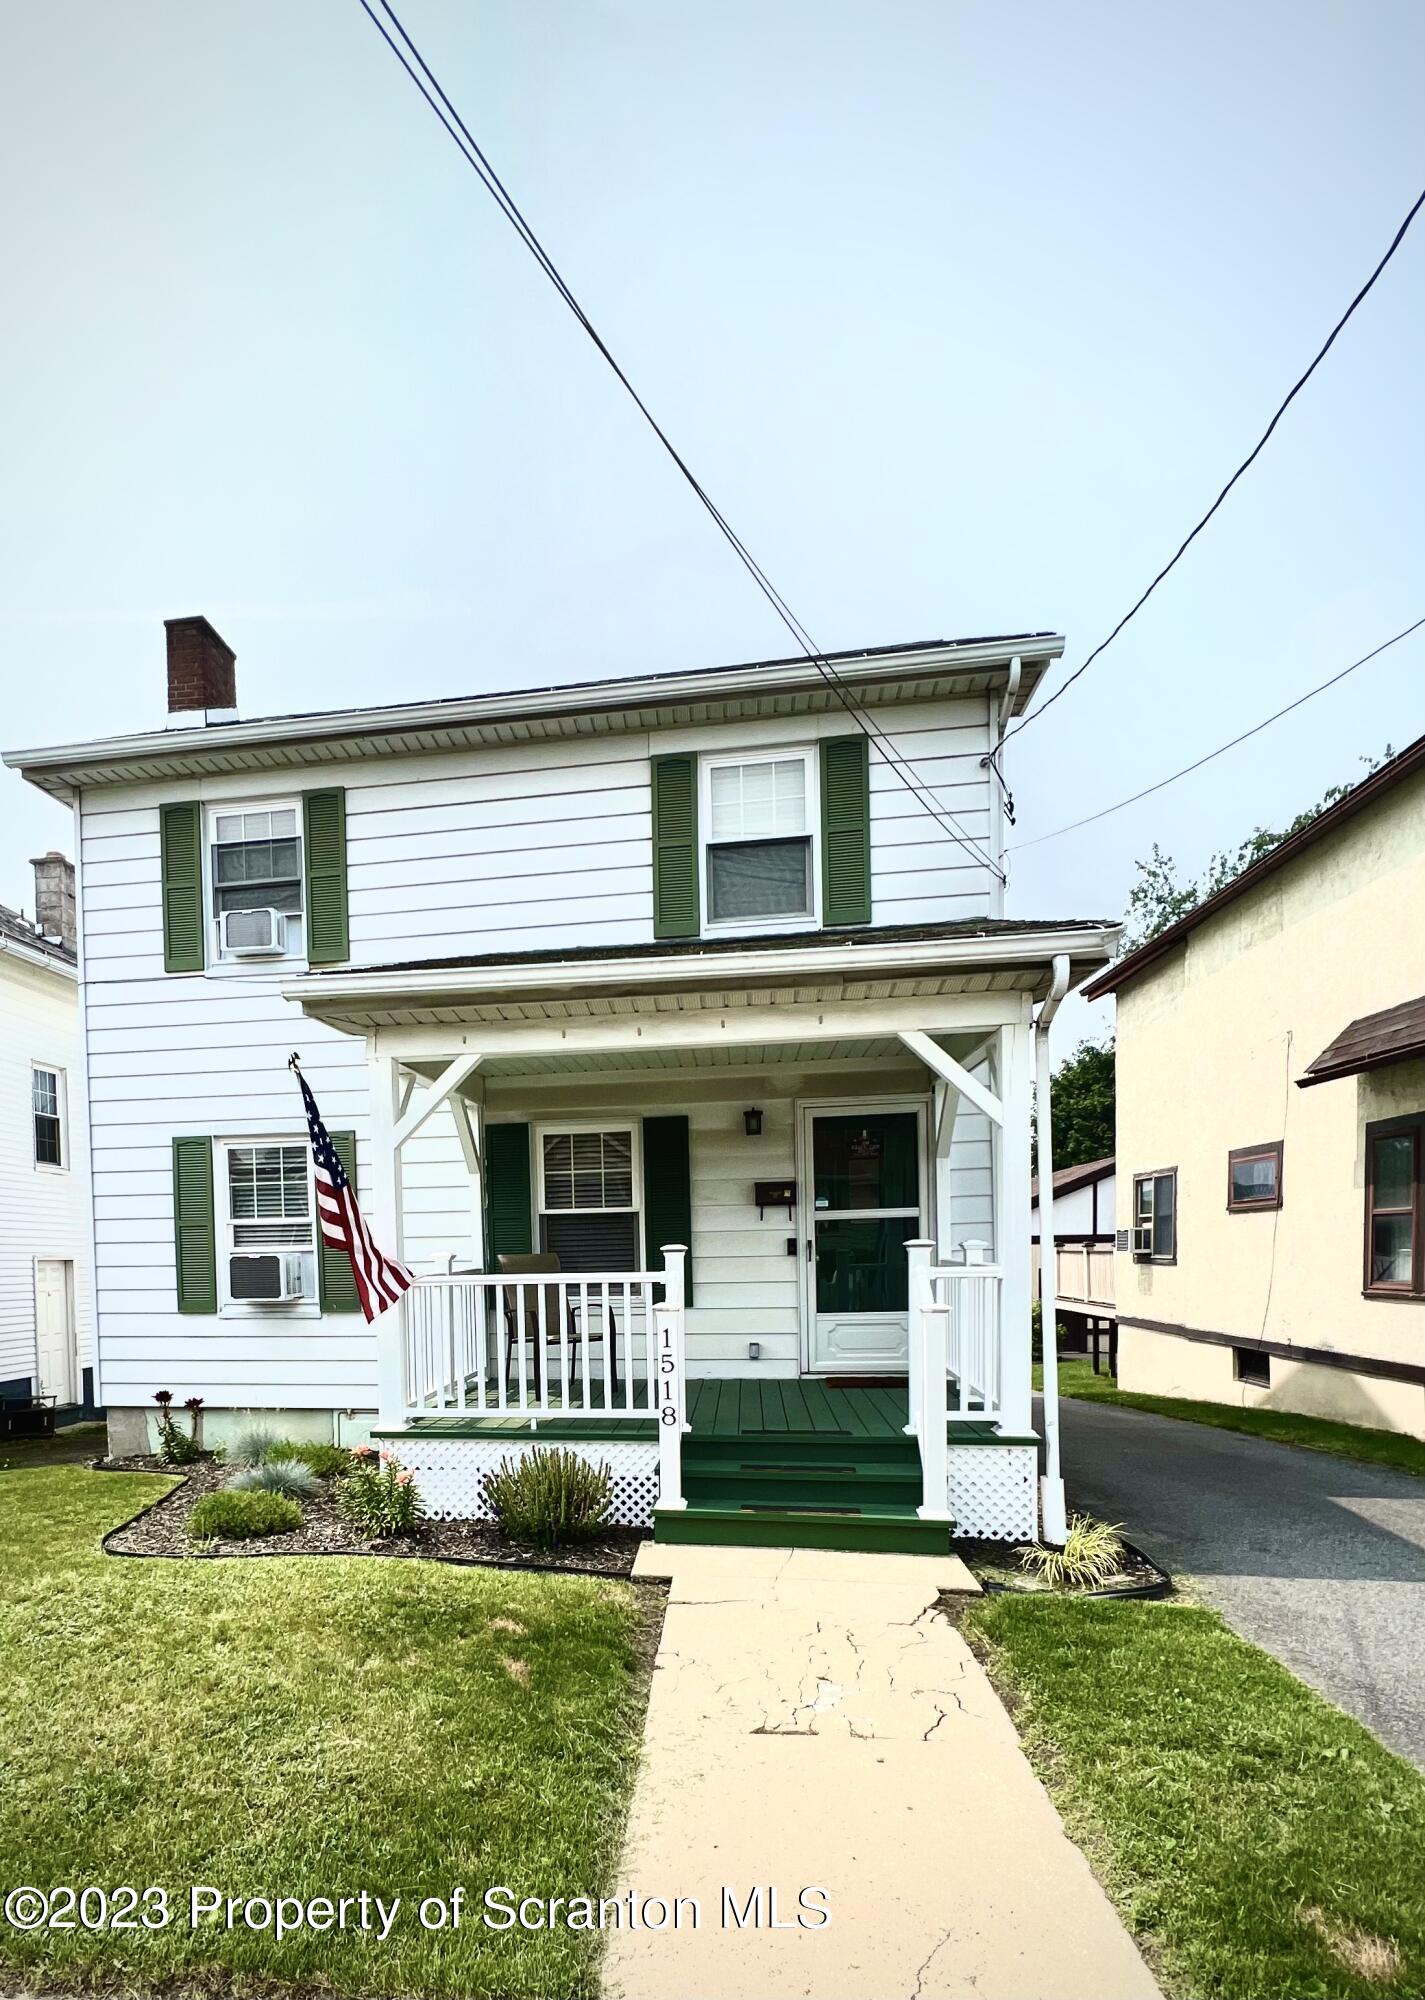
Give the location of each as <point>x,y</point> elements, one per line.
<point>1319,1561</point>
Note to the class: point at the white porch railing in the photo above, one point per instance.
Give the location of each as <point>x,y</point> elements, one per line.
<point>605,1346</point>
<point>956,1358</point>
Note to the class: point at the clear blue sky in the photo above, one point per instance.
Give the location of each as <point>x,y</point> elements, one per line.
<point>962,313</point>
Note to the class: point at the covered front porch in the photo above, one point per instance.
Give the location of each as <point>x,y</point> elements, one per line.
<point>752,1228</point>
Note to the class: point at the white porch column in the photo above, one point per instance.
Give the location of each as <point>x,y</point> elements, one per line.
<point>1014,1226</point>
<point>918,1255</point>
<point>385,1218</point>
<point>671,1393</point>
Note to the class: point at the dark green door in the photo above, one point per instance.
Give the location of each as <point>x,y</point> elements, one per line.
<point>867,1202</point>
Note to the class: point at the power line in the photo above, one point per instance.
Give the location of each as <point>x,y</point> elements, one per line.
<point>1222,748</point>
<point>1292,393</point>
<point>475,158</point>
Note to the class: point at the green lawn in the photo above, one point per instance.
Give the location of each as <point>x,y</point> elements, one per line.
<point>301,1727</point>
<point>1076,1378</point>
<point>1260,1844</point>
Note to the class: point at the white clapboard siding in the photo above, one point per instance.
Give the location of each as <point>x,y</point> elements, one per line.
<point>43,1214</point>
<point>512,847</point>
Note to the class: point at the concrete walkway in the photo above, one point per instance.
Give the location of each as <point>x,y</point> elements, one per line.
<point>1318,1560</point>
<point>816,1723</point>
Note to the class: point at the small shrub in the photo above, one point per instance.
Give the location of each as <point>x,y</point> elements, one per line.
<point>237,1517</point>
<point>175,1446</point>
<point>380,1500</point>
<point>328,1461</point>
<point>549,1496</point>
<point>252,1445</point>
<point>1091,1555</point>
<point>276,1475</point>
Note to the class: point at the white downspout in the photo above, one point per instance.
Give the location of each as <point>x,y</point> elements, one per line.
<point>1052,1505</point>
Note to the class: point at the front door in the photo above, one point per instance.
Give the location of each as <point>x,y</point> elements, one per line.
<point>54,1328</point>
<point>866,1174</point>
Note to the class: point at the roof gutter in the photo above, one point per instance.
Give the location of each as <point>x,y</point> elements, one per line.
<point>653,691</point>
<point>12,947</point>
<point>700,968</point>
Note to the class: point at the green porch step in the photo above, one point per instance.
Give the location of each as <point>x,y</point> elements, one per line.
<point>802,1486</point>
<point>889,1529</point>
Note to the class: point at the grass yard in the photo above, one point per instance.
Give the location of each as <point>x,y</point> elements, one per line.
<point>1406,1454</point>
<point>301,1727</point>
<point>1260,1844</point>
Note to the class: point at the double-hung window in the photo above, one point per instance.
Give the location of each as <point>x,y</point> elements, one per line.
<point>1155,1217</point>
<point>757,819</point>
<point>1395,1208</point>
<point>267,1207</point>
<point>256,867</point>
<point>588,1197</point>
<point>47,1102</point>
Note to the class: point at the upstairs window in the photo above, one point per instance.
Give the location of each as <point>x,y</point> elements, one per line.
<point>588,1198</point>
<point>47,1100</point>
<point>757,819</point>
<point>270,1242</point>
<point>1395,1208</point>
<point>1155,1217</point>
<point>257,883</point>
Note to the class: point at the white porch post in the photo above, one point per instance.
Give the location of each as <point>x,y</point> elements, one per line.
<point>918,1255</point>
<point>1013,1228</point>
<point>671,1389</point>
<point>385,1215</point>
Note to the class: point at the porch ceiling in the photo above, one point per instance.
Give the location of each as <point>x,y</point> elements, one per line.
<point>666,1062</point>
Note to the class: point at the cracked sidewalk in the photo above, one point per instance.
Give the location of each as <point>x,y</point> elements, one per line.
<point>815,1722</point>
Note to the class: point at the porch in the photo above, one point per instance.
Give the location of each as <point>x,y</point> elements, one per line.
<point>836,1129</point>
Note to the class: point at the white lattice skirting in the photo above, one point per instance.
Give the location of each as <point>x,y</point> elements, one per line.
<point>992,1491</point>
<point>450,1473</point>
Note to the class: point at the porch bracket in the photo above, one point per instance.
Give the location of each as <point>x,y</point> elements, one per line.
<point>946,1067</point>
<point>450,1078</point>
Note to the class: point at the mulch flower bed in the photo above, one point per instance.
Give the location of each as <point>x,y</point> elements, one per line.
<point>996,1567</point>
<point>161,1530</point>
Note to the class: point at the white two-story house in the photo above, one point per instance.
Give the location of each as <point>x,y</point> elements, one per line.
<point>679,1042</point>
<point>46,1292</point>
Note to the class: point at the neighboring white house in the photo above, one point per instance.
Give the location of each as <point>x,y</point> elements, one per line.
<point>46,1297</point>
<point>1084,1212</point>
<point>713,959</point>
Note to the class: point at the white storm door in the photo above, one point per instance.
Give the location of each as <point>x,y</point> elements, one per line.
<point>55,1358</point>
<point>866,1181</point>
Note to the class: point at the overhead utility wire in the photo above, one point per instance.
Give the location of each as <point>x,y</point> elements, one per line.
<point>1292,393</point>
<point>475,158</point>
<point>1222,748</point>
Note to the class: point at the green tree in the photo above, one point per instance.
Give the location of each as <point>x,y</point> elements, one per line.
<point>1083,1107</point>
<point>1157,899</point>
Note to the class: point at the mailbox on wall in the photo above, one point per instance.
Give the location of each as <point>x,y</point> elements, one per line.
<point>774,1194</point>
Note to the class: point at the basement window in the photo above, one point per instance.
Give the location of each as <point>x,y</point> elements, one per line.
<point>1250,1365</point>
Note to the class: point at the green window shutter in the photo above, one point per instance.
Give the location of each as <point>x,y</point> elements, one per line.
<point>194,1240</point>
<point>336,1284</point>
<point>675,847</point>
<point>324,848</point>
<point>508,1226</point>
<point>180,842</point>
<point>845,830</point>
<point>667,1193</point>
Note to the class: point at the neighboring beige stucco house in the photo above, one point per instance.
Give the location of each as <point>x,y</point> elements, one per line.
<point>1271,1214</point>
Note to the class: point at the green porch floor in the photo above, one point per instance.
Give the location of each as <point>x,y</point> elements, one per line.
<point>723,1408</point>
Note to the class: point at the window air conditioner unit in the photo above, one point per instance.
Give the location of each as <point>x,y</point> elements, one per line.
<point>265,1277</point>
<point>254,933</point>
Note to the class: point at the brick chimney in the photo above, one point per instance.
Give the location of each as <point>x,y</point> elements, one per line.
<point>202,682</point>
<point>54,897</point>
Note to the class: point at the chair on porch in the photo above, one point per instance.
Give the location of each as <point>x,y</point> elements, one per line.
<point>543,1263</point>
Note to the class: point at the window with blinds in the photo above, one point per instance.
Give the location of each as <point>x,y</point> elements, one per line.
<point>588,1199</point>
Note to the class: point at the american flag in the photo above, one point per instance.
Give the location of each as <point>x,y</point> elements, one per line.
<point>380,1280</point>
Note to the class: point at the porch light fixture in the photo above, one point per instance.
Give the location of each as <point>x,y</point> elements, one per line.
<point>752,1122</point>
